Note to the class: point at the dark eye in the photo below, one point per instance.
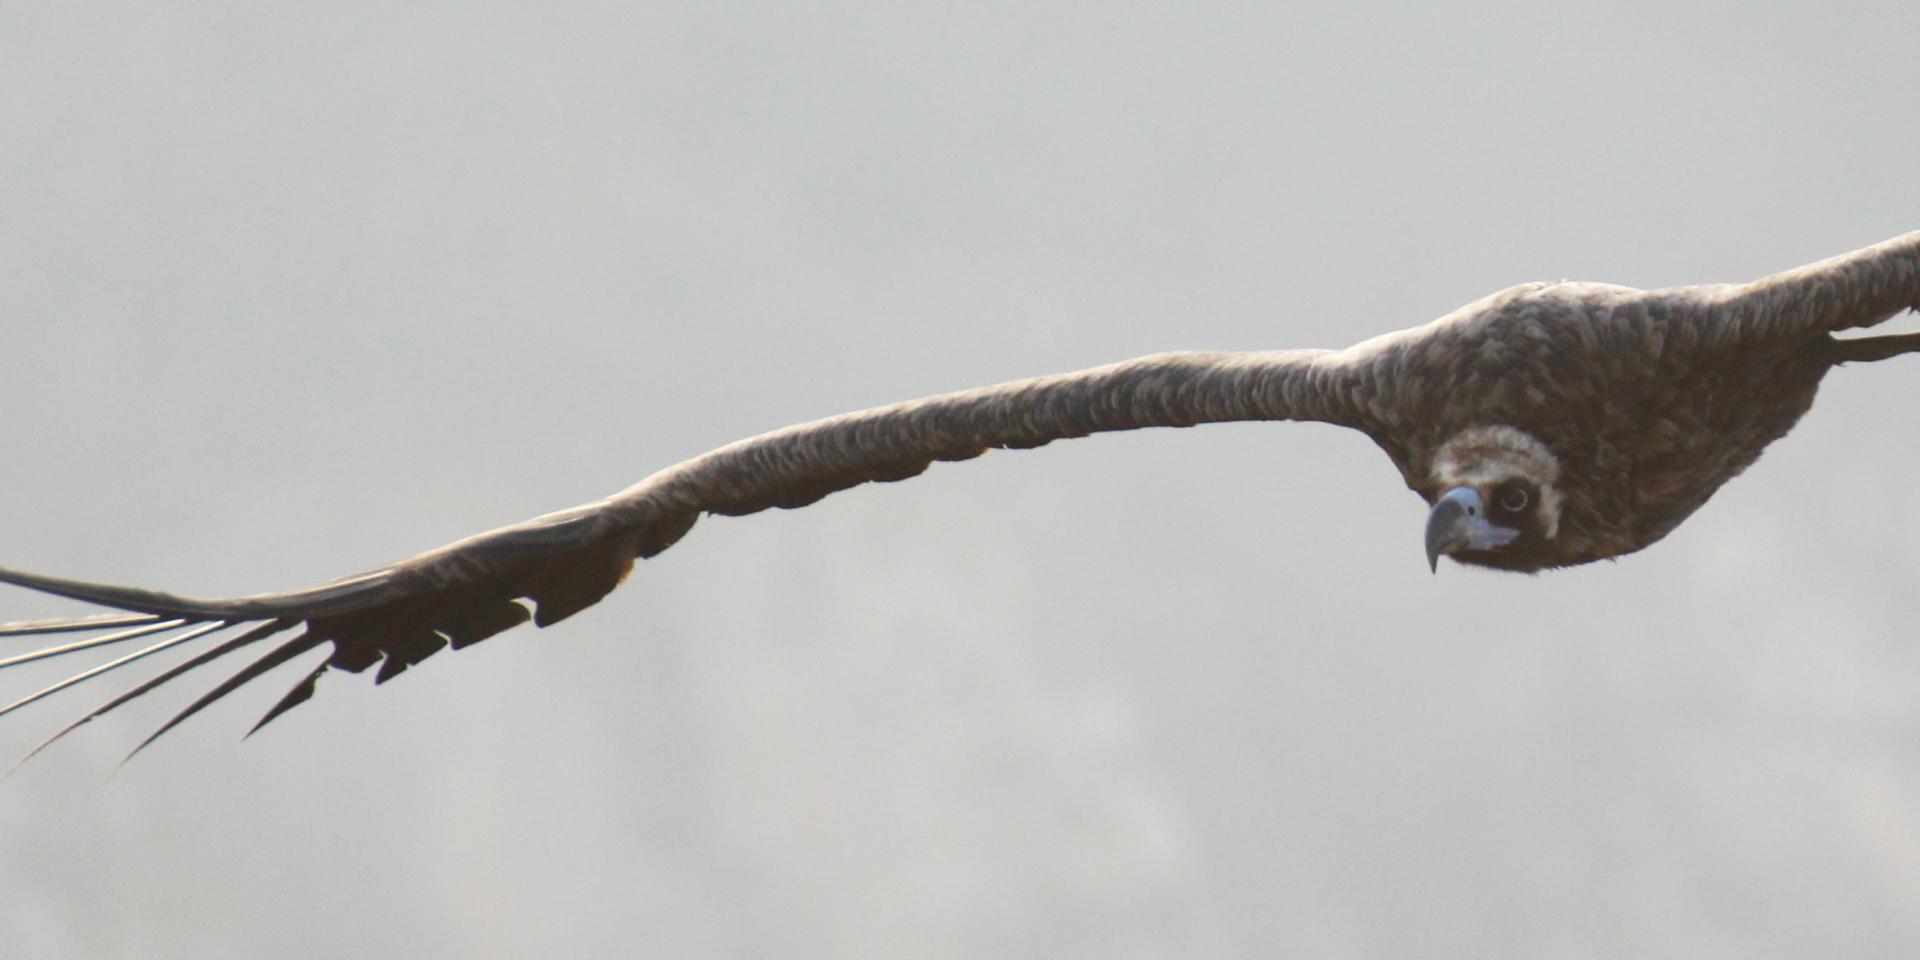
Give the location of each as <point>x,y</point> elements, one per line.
<point>1512,498</point>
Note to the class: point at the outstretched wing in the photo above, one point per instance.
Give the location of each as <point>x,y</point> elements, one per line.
<point>1853,290</point>
<point>563,562</point>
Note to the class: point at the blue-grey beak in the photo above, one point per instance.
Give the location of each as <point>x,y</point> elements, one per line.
<point>1459,522</point>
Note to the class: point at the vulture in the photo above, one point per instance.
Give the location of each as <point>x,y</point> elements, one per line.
<point>1547,425</point>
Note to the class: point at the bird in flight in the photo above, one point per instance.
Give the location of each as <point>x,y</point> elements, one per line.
<point>1547,425</point>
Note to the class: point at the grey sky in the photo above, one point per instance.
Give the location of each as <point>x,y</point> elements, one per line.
<point>294,292</point>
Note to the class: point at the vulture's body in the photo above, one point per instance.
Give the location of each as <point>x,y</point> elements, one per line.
<point>1548,425</point>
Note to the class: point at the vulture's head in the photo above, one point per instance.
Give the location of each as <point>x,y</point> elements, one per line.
<point>1496,501</point>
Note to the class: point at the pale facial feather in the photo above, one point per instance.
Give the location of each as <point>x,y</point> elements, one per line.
<point>1486,456</point>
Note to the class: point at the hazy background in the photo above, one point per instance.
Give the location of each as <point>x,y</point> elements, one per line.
<point>291,292</point>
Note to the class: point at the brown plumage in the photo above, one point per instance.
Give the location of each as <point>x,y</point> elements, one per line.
<point>1548,425</point>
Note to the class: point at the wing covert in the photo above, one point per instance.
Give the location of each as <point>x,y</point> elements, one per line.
<point>800,464</point>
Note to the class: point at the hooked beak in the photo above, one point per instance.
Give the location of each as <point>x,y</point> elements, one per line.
<point>1459,521</point>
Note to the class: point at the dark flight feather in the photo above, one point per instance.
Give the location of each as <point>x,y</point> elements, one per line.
<point>1640,404</point>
